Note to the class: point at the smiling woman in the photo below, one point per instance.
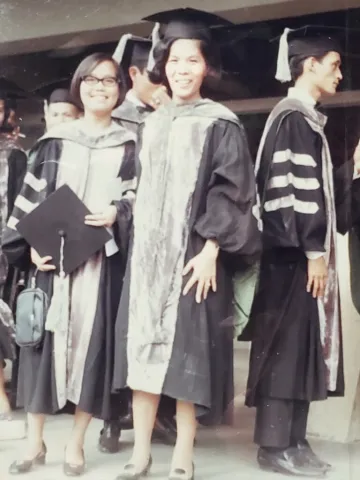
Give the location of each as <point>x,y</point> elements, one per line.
<point>173,332</point>
<point>95,86</point>
<point>95,158</point>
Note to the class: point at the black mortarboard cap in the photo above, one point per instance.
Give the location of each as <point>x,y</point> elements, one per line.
<point>187,23</point>
<point>60,95</point>
<point>307,41</point>
<point>10,90</point>
<point>55,91</point>
<point>131,51</point>
<point>63,214</point>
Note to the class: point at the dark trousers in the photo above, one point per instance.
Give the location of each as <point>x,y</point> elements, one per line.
<point>280,423</point>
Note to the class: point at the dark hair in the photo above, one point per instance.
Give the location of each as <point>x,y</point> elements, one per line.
<point>161,54</point>
<point>124,75</point>
<point>86,67</point>
<point>297,64</point>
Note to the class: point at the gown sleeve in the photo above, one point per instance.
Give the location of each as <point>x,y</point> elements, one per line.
<point>347,196</point>
<point>124,206</point>
<point>38,183</point>
<point>231,195</point>
<point>294,206</point>
<point>17,171</point>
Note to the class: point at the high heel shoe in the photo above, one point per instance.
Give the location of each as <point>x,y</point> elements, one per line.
<point>73,469</point>
<point>24,466</point>
<point>181,474</point>
<point>129,472</point>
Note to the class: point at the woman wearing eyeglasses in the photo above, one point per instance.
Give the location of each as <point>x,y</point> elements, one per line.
<point>95,157</point>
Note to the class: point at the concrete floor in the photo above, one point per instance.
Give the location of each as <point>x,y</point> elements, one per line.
<point>224,453</point>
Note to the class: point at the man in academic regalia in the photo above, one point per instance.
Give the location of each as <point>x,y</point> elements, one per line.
<point>142,96</point>
<point>141,99</point>
<point>296,354</point>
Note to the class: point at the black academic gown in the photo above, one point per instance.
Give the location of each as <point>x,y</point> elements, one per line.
<point>37,391</point>
<point>17,164</point>
<point>200,368</point>
<point>286,359</point>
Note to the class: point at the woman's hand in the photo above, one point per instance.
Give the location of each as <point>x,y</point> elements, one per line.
<point>41,262</point>
<point>104,219</point>
<point>317,277</point>
<point>203,267</point>
<point>160,97</point>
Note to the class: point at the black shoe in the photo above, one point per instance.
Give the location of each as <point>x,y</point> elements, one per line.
<point>127,422</point>
<point>109,438</point>
<point>308,456</point>
<point>24,466</point>
<point>165,431</point>
<point>286,462</point>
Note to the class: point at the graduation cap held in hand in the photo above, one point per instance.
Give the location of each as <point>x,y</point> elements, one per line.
<point>62,216</point>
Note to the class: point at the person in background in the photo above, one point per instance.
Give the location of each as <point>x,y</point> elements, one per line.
<point>143,96</point>
<point>60,108</point>
<point>296,354</point>
<point>94,156</point>
<point>141,99</point>
<point>13,164</point>
<point>193,216</point>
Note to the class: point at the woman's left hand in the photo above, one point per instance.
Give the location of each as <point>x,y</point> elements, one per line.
<point>104,219</point>
<point>203,267</point>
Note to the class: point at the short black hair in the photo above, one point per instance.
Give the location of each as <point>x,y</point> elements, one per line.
<point>209,50</point>
<point>297,65</point>
<point>86,67</point>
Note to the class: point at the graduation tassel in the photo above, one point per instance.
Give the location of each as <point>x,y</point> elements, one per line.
<point>155,38</point>
<point>58,314</point>
<point>120,49</point>
<point>283,73</point>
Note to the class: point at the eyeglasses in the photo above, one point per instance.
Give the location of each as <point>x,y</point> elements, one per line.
<point>106,81</point>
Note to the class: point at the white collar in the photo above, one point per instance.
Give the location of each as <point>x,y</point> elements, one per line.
<point>131,97</point>
<point>302,95</point>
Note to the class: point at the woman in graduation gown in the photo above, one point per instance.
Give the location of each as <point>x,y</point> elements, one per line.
<point>193,216</point>
<point>95,157</point>
<point>13,162</point>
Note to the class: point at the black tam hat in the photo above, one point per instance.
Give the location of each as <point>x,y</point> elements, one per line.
<point>305,42</point>
<point>187,23</point>
<point>183,23</point>
<point>56,91</point>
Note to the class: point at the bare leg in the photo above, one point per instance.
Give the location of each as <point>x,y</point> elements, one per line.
<point>74,449</point>
<point>36,424</point>
<point>186,431</point>
<point>145,407</point>
<point>4,401</point>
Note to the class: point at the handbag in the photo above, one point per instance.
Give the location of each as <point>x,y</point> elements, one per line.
<point>31,311</point>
